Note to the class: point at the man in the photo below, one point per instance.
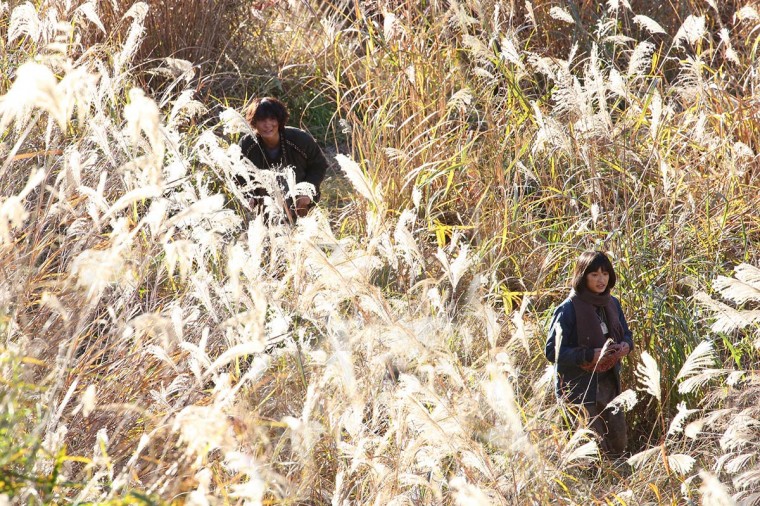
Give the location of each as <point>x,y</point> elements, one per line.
<point>276,146</point>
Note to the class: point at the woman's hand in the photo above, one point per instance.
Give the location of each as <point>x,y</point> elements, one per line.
<point>601,363</point>
<point>620,350</point>
<point>608,351</point>
<point>612,354</point>
<point>302,205</point>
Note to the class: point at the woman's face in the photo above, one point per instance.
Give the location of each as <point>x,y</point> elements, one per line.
<point>596,281</point>
<point>268,129</point>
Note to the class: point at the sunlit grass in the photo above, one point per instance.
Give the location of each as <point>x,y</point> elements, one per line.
<point>160,343</point>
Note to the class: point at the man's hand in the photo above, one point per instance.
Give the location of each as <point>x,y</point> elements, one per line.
<point>302,205</point>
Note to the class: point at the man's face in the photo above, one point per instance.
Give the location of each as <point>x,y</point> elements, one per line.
<point>267,128</point>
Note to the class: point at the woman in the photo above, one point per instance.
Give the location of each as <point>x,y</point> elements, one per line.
<point>276,146</point>
<point>587,338</point>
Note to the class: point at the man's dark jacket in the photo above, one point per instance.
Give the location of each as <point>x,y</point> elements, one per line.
<point>298,150</point>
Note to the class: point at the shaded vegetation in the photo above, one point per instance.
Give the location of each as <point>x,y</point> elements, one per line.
<point>161,343</point>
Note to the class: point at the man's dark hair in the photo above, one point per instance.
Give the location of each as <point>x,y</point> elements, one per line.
<point>265,108</point>
<point>591,261</point>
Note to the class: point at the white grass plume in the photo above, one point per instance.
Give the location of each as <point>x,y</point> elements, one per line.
<point>735,377</point>
<point>741,432</point>
<point>138,11</point>
<point>551,135</point>
<point>700,379</point>
<point>180,253</point>
<point>728,319</point>
<point>735,290</point>
<point>748,274</point>
<point>88,400</point>
<point>89,11</point>
<point>230,165</point>
<point>185,107</point>
<point>681,463</point>
<point>234,123</point>
<point>161,354</point>
<point>203,429</point>
<point>701,357</point>
<point>460,100</point>
<point>51,302</point>
<point>252,487</point>
<point>614,5</point>
<point>52,443</point>
<point>676,425</point>
<point>13,213</point>
<point>206,207</point>
<point>570,96</point>
<point>454,270</point>
<point>692,30</point>
<point>396,155</point>
<point>546,379</point>
<point>714,493</point>
<point>303,188</point>
<point>247,348</point>
<point>746,12</point>
<point>641,459</point>
<point>64,403</point>
<point>561,14</point>
<point>405,241</point>
<point>156,216</point>
<point>366,188</point>
<point>198,359</point>
<point>649,24</point>
<point>641,58</point>
<point>478,461</point>
<point>467,494</point>
<point>626,400</point>
<point>730,52</point>
<point>737,463</point>
<point>520,333</point>
<point>257,236</point>
<point>558,341</point>
<point>24,21</point>
<point>530,13</point>
<point>97,269</point>
<point>616,84</point>
<point>35,86</point>
<point>500,396</point>
<point>748,482</point>
<point>576,451</point>
<point>142,115</point>
<point>179,384</point>
<point>131,197</point>
<point>510,53</point>
<point>76,91</point>
<point>71,177</point>
<point>648,374</point>
<point>655,108</point>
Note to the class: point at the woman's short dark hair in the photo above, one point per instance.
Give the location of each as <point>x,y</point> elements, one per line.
<point>591,261</point>
<point>265,108</point>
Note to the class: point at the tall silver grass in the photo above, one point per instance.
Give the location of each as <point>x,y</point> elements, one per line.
<point>190,349</point>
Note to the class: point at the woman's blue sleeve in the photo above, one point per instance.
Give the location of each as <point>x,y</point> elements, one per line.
<point>627,334</point>
<point>562,332</point>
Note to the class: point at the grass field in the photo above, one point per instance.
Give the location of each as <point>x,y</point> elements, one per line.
<point>160,343</point>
